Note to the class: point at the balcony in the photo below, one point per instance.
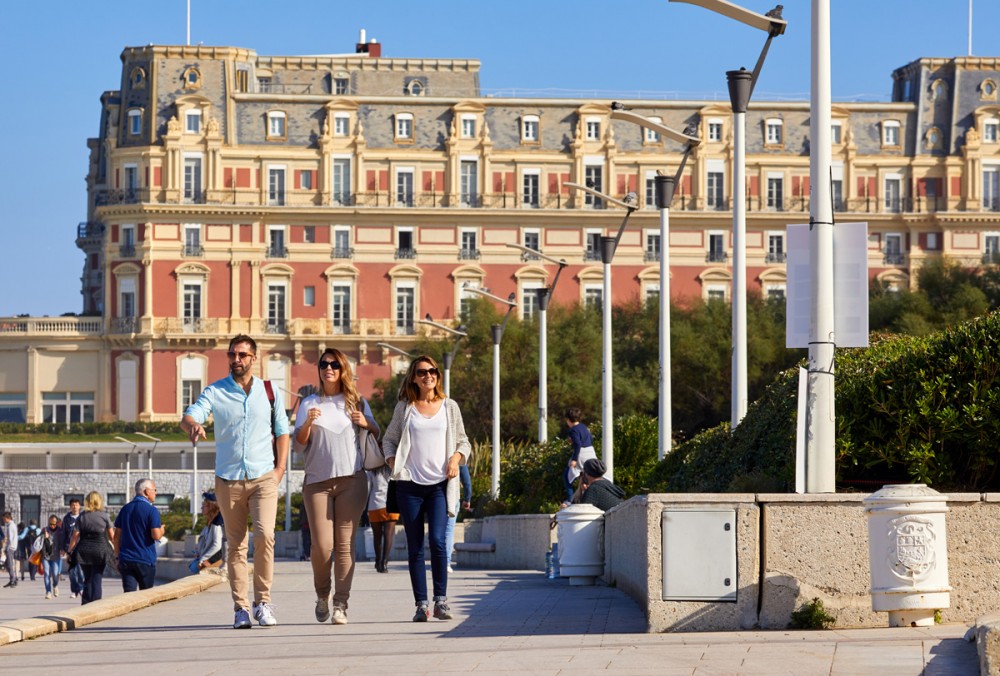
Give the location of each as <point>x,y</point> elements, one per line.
<point>716,257</point>
<point>404,253</point>
<point>340,327</point>
<point>276,327</point>
<point>126,251</point>
<point>90,230</point>
<point>991,204</point>
<point>651,256</point>
<point>991,258</point>
<point>592,255</point>
<point>342,252</point>
<point>775,257</point>
<point>468,254</point>
<point>275,251</point>
<point>125,325</point>
<point>525,256</point>
<point>404,328</point>
<point>193,251</point>
<point>51,326</point>
<point>893,258</point>
<point>129,196</point>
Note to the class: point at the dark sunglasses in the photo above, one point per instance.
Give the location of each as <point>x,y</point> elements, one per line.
<point>323,365</point>
<point>239,355</point>
<point>426,372</point>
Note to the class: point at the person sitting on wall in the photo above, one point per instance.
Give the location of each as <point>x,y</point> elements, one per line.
<point>600,492</point>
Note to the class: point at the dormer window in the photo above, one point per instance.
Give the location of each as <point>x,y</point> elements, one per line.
<point>774,135</point>
<point>414,87</point>
<point>836,135</point>
<point>652,136</point>
<point>988,90</point>
<point>991,130</point>
<point>138,78</point>
<point>593,128</point>
<point>468,126</point>
<point>276,128</point>
<point>192,78</point>
<point>192,122</point>
<point>135,121</point>
<point>715,130</point>
<point>404,127</point>
<point>529,129</point>
<point>341,124</point>
<point>890,133</point>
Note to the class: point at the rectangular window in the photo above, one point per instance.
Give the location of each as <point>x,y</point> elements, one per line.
<point>932,241</point>
<point>714,186</point>
<point>532,240</point>
<point>470,249</point>
<point>774,129</point>
<point>651,135</point>
<point>128,240</point>
<point>192,241</point>
<point>593,248</point>
<point>242,78</point>
<point>276,186</point>
<point>341,121</point>
<point>192,179</point>
<point>404,127</point>
<point>650,202</point>
<point>309,296</point>
<point>530,190</point>
<point>529,300</point>
<point>342,242</point>
<point>529,129</point>
<point>991,248</point>
<point>716,248</point>
<point>775,247</point>
<point>404,187</point>
<point>991,188</point>
<point>893,249</point>
<point>276,308</point>
<point>837,191</point>
<point>192,122</point>
<point>340,308</point>
<point>13,407</point>
<point>593,178</point>
<point>835,133</point>
<point>405,309</point>
<point>134,122</point>
<point>593,297</point>
<point>340,182</point>
<point>890,133</point>
<point>309,234</point>
<point>131,186</point>
<point>715,293</point>
<point>593,130</point>
<point>468,126</point>
<point>190,391</point>
<point>404,243</point>
<point>652,253</point>
<point>991,131</point>
<point>893,194</point>
<point>341,85</point>
<point>191,310</point>
<point>715,131</point>
<point>306,180</point>
<point>276,125</point>
<point>469,179</point>
<point>67,407</point>
<point>276,242</point>
<point>775,193</point>
<point>127,301</point>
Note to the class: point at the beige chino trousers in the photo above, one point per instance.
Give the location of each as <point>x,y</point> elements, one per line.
<point>258,500</point>
<point>334,507</point>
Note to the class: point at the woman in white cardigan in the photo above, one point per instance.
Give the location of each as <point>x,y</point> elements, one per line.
<point>424,445</point>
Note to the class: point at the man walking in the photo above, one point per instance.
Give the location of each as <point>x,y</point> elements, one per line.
<point>137,529</point>
<point>248,470</point>
<point>68,526</point>
<point>10,545</point>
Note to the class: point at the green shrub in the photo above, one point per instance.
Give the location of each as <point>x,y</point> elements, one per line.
<point>812,615</point>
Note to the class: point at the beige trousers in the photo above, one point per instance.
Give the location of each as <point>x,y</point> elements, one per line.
<point>334,507</point>
<point>257,499</point>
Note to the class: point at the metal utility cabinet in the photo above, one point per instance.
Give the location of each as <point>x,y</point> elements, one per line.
<point>699,555</point>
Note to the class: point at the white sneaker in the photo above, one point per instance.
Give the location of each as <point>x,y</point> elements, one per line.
<point>322,610</point>
<point>264,614</point>
<point>55,591</point>
<point>450,569</point>
<point>48,595</point>
<point>339,615</point>
<point>242,620</point>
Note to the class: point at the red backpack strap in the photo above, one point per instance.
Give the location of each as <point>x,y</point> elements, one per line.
<point>270,397</point>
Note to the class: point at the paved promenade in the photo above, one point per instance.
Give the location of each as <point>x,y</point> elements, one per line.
<point>506,622</point>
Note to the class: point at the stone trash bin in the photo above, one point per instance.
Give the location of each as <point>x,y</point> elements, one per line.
<point>908,553</point>
<point>580,532</point>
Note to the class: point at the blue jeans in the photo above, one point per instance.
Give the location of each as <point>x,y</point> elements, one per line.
<point>76,580</point>
<point>136,575</point>
<point>51,570</point>
<point>93,582</point>
<point>449,532</point>
<point>417,502</point>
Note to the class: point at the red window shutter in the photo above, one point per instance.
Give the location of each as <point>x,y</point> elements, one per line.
<point>146,172</point>
<point>383,179</point>
<point>861,186</point>
<point>298,179</point>
<point>956,186</point>
<point>871,186</point>
<point>243,177</point>
<point>553,184</point>
<point>497,181</point>
<point>686,185</point>
<point>227,177</point>
<point>633,181</point>
<point>427,180</point>
<point>157,176</point>
<point>118,183</point>
<point>114,234</point>
<point>372,180</point>
<point>509,181</point>
<point>921,191</point>
<point>922,240</point>
<point>796,186</point>
<point>805,185</point>
<point>622,183</point>
<point>439,181</point>
<point>564,179</point>
<point>754,186</point>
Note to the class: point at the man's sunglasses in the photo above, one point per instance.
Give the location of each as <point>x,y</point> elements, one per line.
<point>239,355</point>
<point>324,365</point>
<point>426,372</point>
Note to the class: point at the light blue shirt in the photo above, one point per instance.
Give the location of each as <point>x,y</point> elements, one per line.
<point>242,426</point>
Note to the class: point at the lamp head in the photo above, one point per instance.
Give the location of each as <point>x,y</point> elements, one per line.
<point>511,297</point>
<point>428,317</point>
<point>617,105</point>
<point>630,198</point>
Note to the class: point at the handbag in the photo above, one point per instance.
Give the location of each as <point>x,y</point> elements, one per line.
<point>372,456</point>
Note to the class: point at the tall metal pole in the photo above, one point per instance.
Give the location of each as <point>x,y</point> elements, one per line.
<point>497,336</point>
<point>447,359</point>
<point>820,463</point>
<point>188,23</point>
<point>665,186</point>
<point>194,487</point>
<point>543,366</point>
<point>607,405</point>
<point>740,85</point>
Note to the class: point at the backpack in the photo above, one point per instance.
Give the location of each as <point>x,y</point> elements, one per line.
<point>274,441</point>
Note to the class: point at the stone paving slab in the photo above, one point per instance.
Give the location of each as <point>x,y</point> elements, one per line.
<point>506,622</point>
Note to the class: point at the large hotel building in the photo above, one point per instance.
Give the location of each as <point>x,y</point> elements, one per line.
<point>334,200</point>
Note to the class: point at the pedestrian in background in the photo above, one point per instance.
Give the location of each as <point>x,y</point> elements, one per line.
<point>209,552</point>
<point>335,487</point>
<point>52,549</point>
<point>68,526</point>
<point>251,451</point>
<point>10,547</point>
<point>582,445</point>
<point>92,540</point>
<point>382,520</point>
<point>424,446</point>
<point>465,479</point>
<point>137,530</point>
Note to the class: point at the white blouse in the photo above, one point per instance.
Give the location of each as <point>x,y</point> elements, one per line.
<point>428,458</point>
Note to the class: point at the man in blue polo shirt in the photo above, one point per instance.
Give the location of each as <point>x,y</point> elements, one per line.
<point>247,472</point>
<point>137,530</point>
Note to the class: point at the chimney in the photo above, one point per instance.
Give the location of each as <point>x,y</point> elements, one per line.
<point>372,48</point>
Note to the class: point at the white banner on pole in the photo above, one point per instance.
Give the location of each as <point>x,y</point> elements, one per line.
<point>800,432</point>
<point>850,281</point>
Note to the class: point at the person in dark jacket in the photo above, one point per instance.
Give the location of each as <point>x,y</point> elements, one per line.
<point>600,492</point>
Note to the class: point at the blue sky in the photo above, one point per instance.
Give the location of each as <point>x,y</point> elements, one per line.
<point>60,56</point>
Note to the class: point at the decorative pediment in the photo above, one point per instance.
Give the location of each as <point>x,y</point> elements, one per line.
<point>531,273</point>
<point>715,275</point>
<point>405,270</point>
<point>466,271</point>
<point>340,271</point>
<point>593,273</point>
<point>468,107</point>
<point>126,270</point>
<point>191,269</point>
<point>277,270</point>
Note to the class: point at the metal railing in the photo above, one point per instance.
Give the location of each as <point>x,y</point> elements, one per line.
<point>193,251</point>
<point>125,325</point>
<point>468,254</point>
<point>525,256</point>
<point>342,328</point>
<point>893,258</point>
<point>775,257</point>
<point>991,258</point>
<point>716,257</point>
<point>126,196</point>
<point>342,252</point>
<point>126,251</point>
<point>651,256</point>
<point>592,255</point>
<point>88,229</point>
<point>277,252</point>
<point>406,254</point>
<point>276,326</point>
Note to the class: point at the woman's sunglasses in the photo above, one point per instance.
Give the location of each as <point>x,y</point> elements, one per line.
<point>323,365</point>
<point>426,372</point>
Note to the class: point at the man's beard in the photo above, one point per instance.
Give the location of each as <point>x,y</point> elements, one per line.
<point>237,369</point>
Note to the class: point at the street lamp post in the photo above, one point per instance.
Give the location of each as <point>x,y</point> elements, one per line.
<point>448,358</point>
<point>149,454</point>
<point>128,465</point>
<point>544,296</point>
<point>608,247</point>
<point>497,330</point>
<point>741,86</point>
<point>665,186</point>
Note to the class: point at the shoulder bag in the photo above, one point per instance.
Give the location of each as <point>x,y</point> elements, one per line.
<point>372,456</point>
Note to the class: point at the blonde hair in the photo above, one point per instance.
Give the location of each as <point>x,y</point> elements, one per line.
<point>409,391</point>
<point>94,502</point>
<point>347,386</point>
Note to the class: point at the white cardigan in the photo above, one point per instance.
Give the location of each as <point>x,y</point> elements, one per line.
<point>396,443</point>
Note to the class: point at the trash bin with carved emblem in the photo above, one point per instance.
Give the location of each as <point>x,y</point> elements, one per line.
<point>908,553</point>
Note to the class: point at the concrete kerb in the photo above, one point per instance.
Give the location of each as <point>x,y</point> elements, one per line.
<point>20,630</point>
<point>987,635</point>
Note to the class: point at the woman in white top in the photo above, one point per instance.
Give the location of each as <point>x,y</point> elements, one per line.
<point>335,488</point>
<point>424,445</point>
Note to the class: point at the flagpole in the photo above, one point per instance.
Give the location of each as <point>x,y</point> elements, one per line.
<point>188,23</point>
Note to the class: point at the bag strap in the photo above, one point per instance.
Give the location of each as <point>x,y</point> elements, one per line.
<point>270,397</point>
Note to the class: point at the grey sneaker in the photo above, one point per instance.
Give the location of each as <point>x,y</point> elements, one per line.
<point>242,620</point>
<point>339,615</point>
<point>322,610</point>
<point>422,613</point>
<point>441,610</point>
<point>264,614</point>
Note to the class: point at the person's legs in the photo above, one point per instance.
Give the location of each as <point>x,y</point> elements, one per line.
<point>54,569</point>
<point>449,533</point>
<point>93,581</point>
<point>436,507</point>
<point>378,527</point>
<point>130,576</point>
<point>76,580</point>
<point>387,534</point>
<point>47,567</point>
<point>568,483</point>
<point>316,498</point>
<point>234,508</point>
<point>349,498</point>
<point>12,565</point>
<point>146,575</point>
<point>263,511</point>
<point>411,511</point>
